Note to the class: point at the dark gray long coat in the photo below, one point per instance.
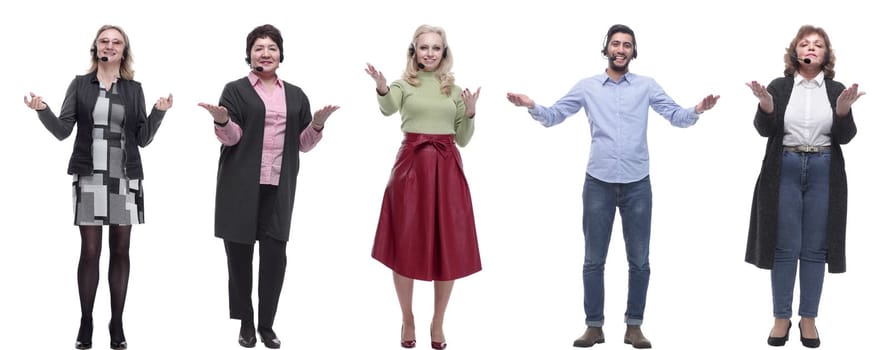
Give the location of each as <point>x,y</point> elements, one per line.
<point>238,177</point>
<point>764,210</point>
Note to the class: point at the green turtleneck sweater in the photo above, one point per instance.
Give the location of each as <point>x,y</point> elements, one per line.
<point>425,110</point>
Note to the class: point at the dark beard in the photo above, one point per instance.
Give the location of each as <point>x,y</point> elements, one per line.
<point>619,69</point>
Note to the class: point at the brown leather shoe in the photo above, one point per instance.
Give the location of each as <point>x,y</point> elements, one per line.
<point>634,336</point>
<point>593,335</point>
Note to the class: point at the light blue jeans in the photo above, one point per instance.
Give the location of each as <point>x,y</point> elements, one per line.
<point>802,232</point>
<point>634,201</point>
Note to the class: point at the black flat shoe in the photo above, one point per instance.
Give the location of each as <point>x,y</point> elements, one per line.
<point>779,341</point>
<point>248,342</point>
<point>269,339</point>
<point>84,335</point>
<point>809,342</point>
<point>247,334</point>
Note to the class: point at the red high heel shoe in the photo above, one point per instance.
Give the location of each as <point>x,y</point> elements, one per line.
<point>437,345</point>
<point>408,344</point>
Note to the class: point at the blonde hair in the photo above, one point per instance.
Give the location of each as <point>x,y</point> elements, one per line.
<point>442,72</point>
<point>126,69</point>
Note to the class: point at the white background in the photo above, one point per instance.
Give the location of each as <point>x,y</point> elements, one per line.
<point>526,180</point>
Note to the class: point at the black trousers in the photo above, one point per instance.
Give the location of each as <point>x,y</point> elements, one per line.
<point>273,261</point>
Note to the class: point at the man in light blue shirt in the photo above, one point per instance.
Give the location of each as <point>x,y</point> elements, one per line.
<point>617,107</point>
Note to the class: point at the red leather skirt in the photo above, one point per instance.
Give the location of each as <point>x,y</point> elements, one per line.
<point>426,229</point>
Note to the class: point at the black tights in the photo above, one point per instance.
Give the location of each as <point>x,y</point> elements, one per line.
<point>118,273</point>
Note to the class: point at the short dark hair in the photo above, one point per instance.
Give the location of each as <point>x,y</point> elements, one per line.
<point>619,28</point>
<point>265,31</point>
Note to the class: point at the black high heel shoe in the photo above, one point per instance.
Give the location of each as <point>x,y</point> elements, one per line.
<point>780,341</point>
<point>118,344</point>
<point>84,334</point>
<point>809,342</point>
<point>269,339</point>
<point>118,341</point>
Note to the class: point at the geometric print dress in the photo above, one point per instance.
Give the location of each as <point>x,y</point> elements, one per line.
<point>107,197</point>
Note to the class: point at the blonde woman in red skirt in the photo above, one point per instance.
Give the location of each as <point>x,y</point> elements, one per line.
<point>426,229</point>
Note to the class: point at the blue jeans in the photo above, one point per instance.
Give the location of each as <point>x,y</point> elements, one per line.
<point>802,232</point>
<point>634,200</point>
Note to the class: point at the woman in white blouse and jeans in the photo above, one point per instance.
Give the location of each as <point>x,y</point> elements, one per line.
<point>800,200</point>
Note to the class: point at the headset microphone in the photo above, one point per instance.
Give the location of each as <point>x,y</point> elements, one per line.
<point>797,58</point>
<point>258,68</point>
<point>420,65</point>
<point>103,59</point>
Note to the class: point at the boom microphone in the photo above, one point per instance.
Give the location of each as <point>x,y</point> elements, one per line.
<point>804,60</point>
<point>103,59</point>
<point>258,68</point>
<point>420,65</point>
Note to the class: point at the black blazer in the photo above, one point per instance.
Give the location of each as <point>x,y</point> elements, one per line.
<point>77,108</point>
<point>765,207</point>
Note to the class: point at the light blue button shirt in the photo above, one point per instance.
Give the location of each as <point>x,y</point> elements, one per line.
<point>618,113</point>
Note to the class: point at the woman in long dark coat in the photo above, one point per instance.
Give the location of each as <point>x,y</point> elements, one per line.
<point>799,212</point>
<point>263,123</point>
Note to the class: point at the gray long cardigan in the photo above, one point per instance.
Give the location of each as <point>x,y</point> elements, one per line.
<point>764,210</point>
<point>238,177</point>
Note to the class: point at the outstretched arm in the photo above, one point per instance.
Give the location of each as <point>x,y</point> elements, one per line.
<point>312,135</point>
<point>520,100</point>
<point>150,127</point>
<point>227,131</point>
<point>62,125</point>
<point>567,106</point>
<point>706,103</point>
<point>766,100</point>
<point>846,100</point>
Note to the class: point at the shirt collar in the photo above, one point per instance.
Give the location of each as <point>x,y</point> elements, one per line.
<point>604,78</point>
<point>255,79</point>
<point>817,82</point>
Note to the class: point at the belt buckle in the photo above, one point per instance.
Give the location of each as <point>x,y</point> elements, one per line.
<point>808,148</point>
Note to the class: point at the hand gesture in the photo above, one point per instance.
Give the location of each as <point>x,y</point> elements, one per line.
<point>766,100</point>
<point>378,79</point>
<point>707,103</point>
<point>321,116</point>
<point>36,102</point>
<point>520,100</point>
<point>470,101</point>
<point>846,99</point>
<point>164,104</point>
<point>220,114</point>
